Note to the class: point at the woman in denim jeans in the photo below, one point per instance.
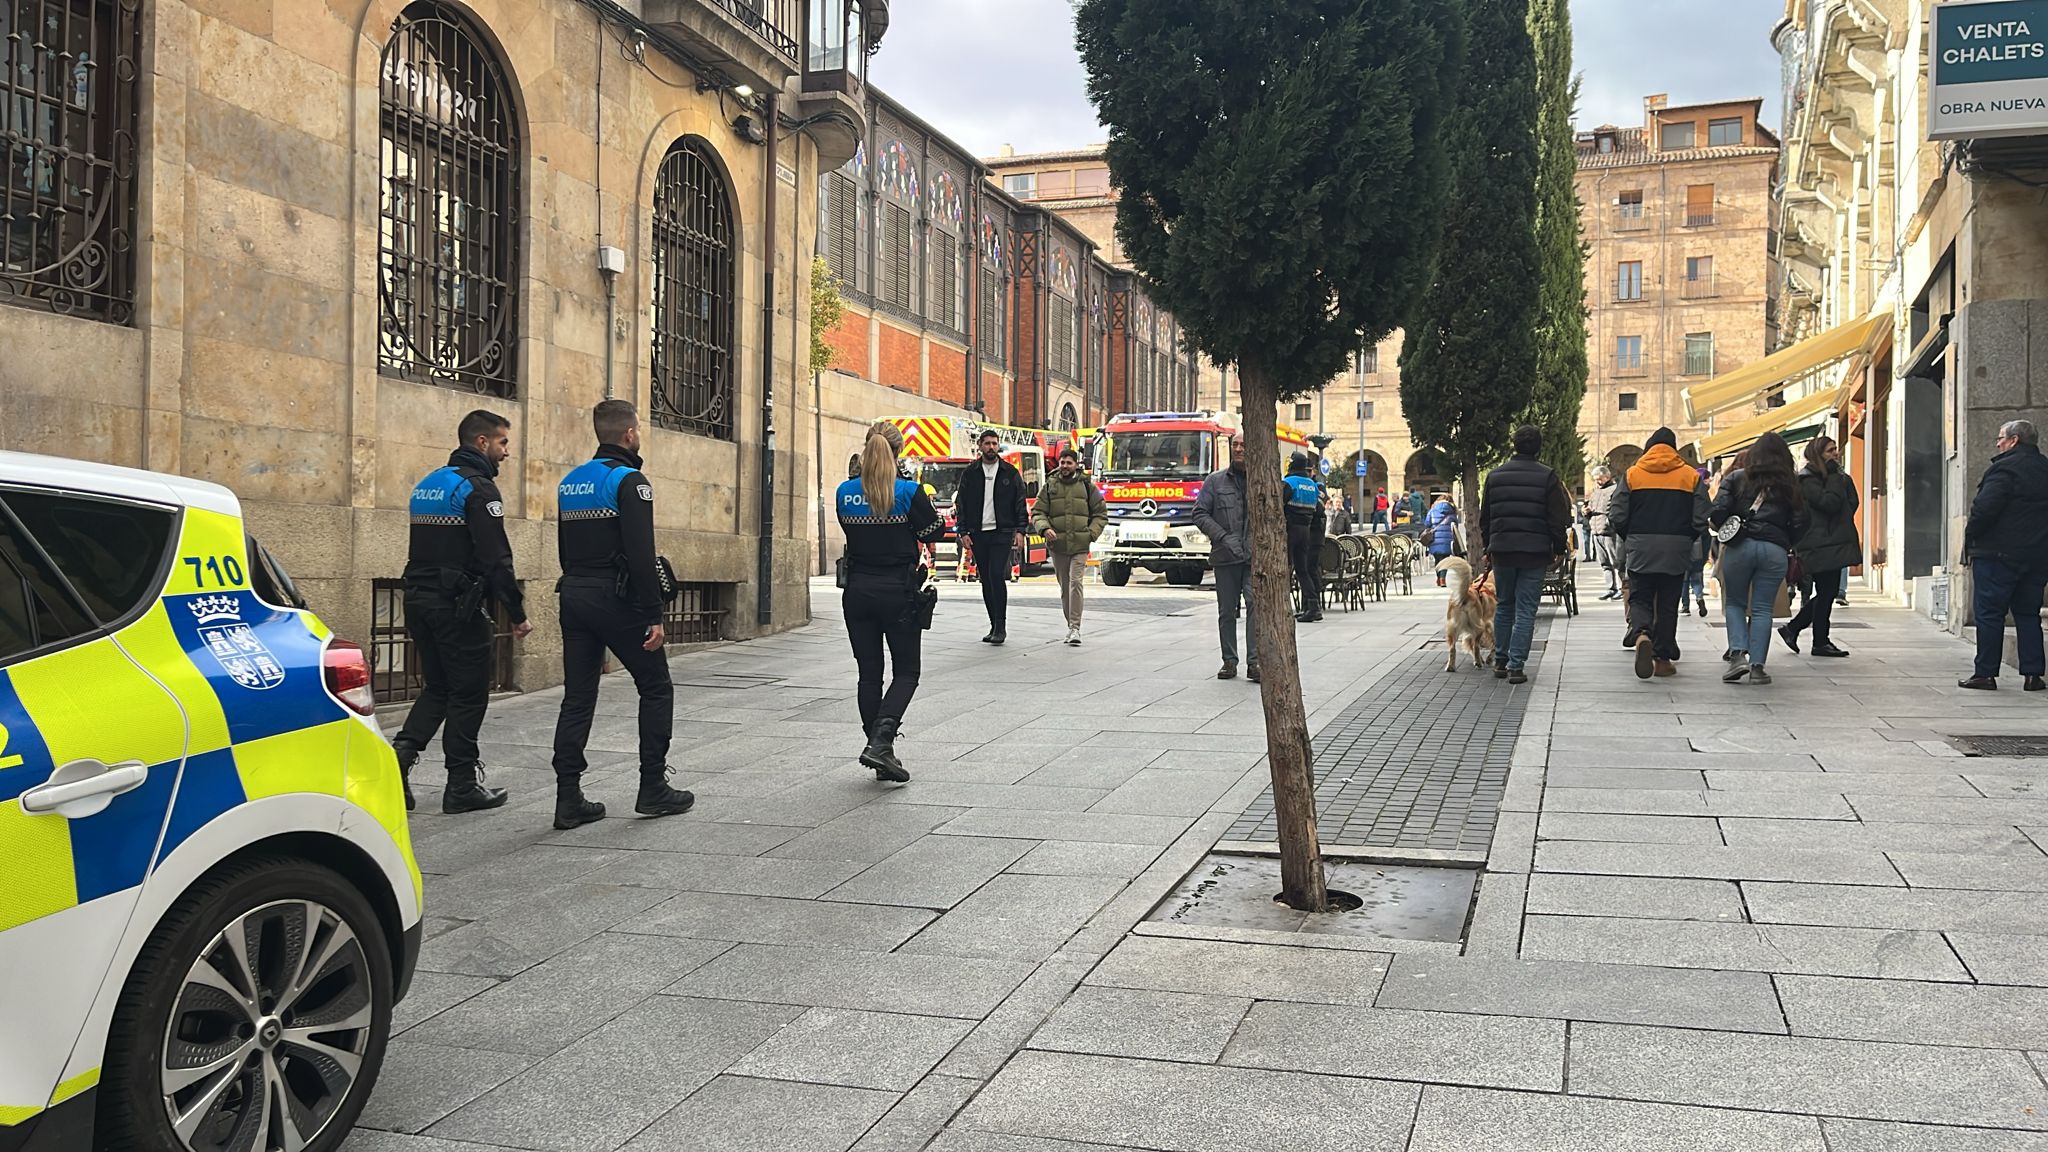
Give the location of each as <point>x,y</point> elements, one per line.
<point>1752,566</point>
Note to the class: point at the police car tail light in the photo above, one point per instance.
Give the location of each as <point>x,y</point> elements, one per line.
<point>348,676</point>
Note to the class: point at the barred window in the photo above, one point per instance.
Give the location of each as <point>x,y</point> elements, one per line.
<point>945,286</point>
<point>1062,336</point>
<point>447,249</point>
<point>896,266</point>
<point>67,155</point>
<point>991,319</point>
<point>839,225</point>
<point>694,293</point>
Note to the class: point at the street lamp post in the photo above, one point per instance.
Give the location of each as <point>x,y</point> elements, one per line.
<point>1363,509</point>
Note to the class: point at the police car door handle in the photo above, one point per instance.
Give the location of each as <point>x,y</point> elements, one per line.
<point>83,788</point>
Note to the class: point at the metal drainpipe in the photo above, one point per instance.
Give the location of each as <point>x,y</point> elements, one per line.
<point>764,607</point>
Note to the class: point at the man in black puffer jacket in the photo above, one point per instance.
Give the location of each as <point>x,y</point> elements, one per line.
<point>1524,516</point>
<point>2006,543</point>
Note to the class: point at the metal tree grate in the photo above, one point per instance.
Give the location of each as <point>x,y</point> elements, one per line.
<point>2017,746</point>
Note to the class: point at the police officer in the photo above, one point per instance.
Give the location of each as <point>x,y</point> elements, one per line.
<point>886,518</point>
<point>457,563</point>
<point>1306,519</point>
<point>611,601</point>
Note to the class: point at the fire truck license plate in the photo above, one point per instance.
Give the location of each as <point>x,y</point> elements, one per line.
<point>1154,531</point>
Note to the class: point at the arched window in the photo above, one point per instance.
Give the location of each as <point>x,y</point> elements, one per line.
<point>448,243</point>
<point>67,155</point>
<point>1069,419</point>
<point>694,293</point>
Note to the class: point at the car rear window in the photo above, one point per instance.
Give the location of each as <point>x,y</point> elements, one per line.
<point>111,552</point>
<point>268,579</point>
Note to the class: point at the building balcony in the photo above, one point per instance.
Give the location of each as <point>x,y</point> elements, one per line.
<point>1699,219</point>
<point>1702,288</point>
<point>1625,370</point>
<point>757,43</point>
<point>1626,221</point>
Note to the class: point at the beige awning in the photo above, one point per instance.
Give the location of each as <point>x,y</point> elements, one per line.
<point>1778,419</point>
<point>1751,381</point>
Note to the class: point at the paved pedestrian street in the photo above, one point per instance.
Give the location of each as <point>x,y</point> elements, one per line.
<point>1712,918</point>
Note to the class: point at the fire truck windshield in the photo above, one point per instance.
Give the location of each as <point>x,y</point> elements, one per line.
<point>944,479</point>
<point>1159,454</point>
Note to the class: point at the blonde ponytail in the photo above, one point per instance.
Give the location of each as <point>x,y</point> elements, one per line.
<point>878,467</point>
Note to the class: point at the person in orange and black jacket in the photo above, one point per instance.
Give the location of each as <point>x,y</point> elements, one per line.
<point>1660,514</point>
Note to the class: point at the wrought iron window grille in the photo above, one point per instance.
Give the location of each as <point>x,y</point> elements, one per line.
<point>695,293</point>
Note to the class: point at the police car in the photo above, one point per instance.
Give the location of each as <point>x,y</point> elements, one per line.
<point>208,899</point>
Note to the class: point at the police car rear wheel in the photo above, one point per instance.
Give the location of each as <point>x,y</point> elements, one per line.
<point>255,1018</point>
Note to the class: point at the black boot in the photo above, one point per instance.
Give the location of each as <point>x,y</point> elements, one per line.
<point>658,799</point>
<point>406,760</point>
<point>467,792</point>
<point>571,809</point>
<point>880,754</point>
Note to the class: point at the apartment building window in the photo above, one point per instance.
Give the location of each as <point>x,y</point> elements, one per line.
<point>1629,205</point>
<point>1604,143</point>
<point>1677,137</point>
<point>1699,276</point>
<point>447,253</point>
<point>1724,133</point>
<point>1628,401</point>
<point>1699,354</point>
<point>1628,353</point>
<point>694,293</point>
<point>1699,205</point>
<point>1023,185</point>
<point>1365,409</point>
<point>1091,182</point>
<point>1628,281</point>
<point>1304,411</point>
<point>1369,361</point>
<point>68,177</point>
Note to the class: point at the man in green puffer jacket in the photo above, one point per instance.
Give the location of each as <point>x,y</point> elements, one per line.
<point>1070,515</point>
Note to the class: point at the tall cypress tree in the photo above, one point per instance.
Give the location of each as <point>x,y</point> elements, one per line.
<point>1281,171</point>
<point>1561,300</point>
<point>1468,367</point>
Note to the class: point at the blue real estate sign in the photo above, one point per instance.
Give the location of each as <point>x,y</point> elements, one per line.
<point>1988,71</point>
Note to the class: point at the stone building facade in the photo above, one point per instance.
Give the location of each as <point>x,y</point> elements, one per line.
<point>1677,216</point>
<point>285,244</point>
<point>1943,246</point>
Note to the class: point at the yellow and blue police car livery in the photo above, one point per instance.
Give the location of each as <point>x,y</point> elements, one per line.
<point>138,758</point>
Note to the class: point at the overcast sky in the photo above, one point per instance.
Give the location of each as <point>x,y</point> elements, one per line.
<point>995,72</point>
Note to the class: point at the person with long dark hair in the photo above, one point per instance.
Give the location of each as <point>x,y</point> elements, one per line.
<point>1763,500</point>
<point>1828,546</point>
<point>885,517</point>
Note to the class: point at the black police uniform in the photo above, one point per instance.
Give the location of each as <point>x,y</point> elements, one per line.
<point>881,606</point>
<point>1306,519</point>
<point>458,561</point>
<point>611,598</point>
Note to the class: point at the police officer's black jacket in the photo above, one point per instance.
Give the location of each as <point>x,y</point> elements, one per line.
<point>1011,515</point>
<point>458,533</point>
<point>885,547</point>
<point>607,525</point>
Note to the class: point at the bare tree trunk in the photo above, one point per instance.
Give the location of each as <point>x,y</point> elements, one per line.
<point>1287,744</point>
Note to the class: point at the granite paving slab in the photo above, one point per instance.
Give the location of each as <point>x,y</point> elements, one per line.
<point>1910,1011</point>
<point>1991,872</point>
<point>1997,959</point>
<point>510,943</point>
<point>1626,993</point>
<point>1658,898</point>
<point>1142,1024</point>
<point>770,920</point>
<point>1629,829</point>
<point>1878,1136</point>
<point>1849,1078</point>
<point>934,872</point>
<point>1674,802</point>
<point>881,1050</point>
<point>1931,909</point>
<point>1395,1044</point>
<point>1893,954</point>
<point>741,1114</point>
<point>877,981</point>
<point>420,1082</point>
<point>1248,970</point>
<point>1189,1107</point>
<point>1016,917</point>
<point>1085,827</point>
<point>1072,858</point>
<point>1480,1120</point>
<point>1905,837</point>
<point>866,835</point>
<point>1810,865</point>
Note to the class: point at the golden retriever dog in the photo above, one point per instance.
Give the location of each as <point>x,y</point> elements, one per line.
<point>1468,618</point>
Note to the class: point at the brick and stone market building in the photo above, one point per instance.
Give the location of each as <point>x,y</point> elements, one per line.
<point>285,244</point>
